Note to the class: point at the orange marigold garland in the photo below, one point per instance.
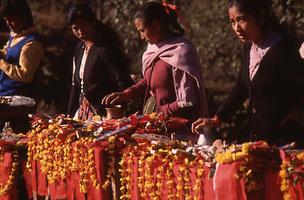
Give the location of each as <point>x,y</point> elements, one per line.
<point>4,188</point>
<point>111,162</point>
<point>141,172</point>
<point>291,171</point>
<point>199,177</point>
<point>170,175</point>
<point>242,153</point>
<point>54,147</point>
<point>125,177</point>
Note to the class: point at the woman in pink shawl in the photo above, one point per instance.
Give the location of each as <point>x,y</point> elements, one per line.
<point>170,66</point>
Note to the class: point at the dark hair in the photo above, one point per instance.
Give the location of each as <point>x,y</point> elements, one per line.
<point>17,8</point>
<point>165,15</point>
<point>80,11</point>
<point>261,10</point>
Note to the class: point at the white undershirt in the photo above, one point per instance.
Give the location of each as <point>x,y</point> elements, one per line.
<point>82,66</point>
<point>81,74</point>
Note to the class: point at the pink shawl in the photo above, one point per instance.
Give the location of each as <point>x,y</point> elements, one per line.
<point>182,56</point>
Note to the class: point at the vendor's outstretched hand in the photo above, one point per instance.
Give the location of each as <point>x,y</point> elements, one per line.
<point>114,98</point>
<point>198,125</point>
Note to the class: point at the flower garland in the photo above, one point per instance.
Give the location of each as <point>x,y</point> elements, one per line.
<point>149,185</point>
<point>170,175</point>
<point>291,171</point>
<point>58,155</point>
<point>126,174</point>
<point>141,175</point>
<point>83,157</point>
<point>111,162</point>
<point>155,172</point>
<point>159,176</point>
<point>187,180</point>
<point>285,182</point>
<point>4,188</point>
<point>199,174</point>
<point>232,155</point>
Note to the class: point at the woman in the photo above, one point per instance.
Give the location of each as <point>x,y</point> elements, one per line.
<point>170,66</point>
<point>20,59</point>
<point>98,65</point>
<point>271,76</point>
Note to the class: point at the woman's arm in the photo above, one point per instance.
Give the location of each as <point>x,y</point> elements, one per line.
<point>187,95</point>
<point>29,61</point>
<point>236,97</point>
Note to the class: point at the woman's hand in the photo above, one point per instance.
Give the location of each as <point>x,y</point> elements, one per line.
<point>301,50</point>
<point>114,98</point>
<point>199,124</point>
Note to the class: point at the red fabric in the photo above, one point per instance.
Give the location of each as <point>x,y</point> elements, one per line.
<point>58,190</point>
<point>34,176</point>
<point>70,188</point>
<point>42,184</point>
<point>93,193</point>
<point>297,191</point>
<point>272,185</point>
<point>134,187</point>
<point>5,169</point>
<point>28,179</point>
<point>207,189</point>
<point>227,187</point>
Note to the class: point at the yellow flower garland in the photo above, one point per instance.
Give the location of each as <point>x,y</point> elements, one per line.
<point>58,157</point>
<point>199,177</point>
<point>232,155</point>
<point>111,162</point>
<point>4,188</point>
<point>288,167</point>
<point>125,172</point>
<point>148,189</point>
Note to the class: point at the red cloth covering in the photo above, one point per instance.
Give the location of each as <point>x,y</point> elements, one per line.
<point>226,185</point>
<point>28,179</point>
<point>297,192</point>
<point>58,190</point>
<point>207,188</point>
<point>100,167</point>
<point>206,191</point>
<point>42,184</point>
<point>5,169</point>
<point>272,185</point>
<point>69,188</point>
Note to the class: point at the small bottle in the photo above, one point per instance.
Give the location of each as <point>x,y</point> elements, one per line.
<point>7,129</point>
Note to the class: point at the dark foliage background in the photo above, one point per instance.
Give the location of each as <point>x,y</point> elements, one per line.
<point>206,24</point>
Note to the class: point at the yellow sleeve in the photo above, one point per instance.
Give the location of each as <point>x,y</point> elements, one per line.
<point>29,61</point>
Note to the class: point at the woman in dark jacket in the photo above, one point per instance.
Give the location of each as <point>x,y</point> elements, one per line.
<point>99,67</point>
<point>271,76</point>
